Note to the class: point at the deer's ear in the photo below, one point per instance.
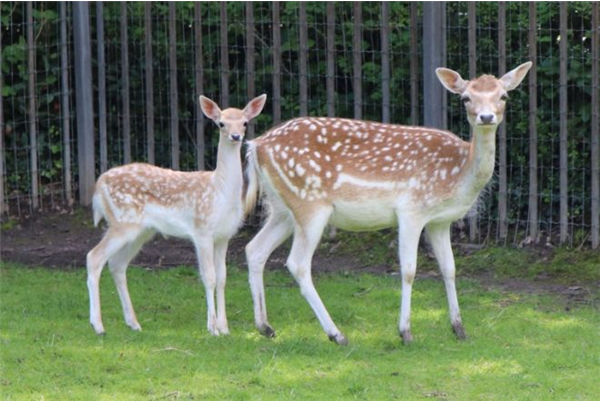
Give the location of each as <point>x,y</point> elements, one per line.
<point>210,108</point>
<point>451,80</point>
<point>255,106</point>
<point>513,78</point>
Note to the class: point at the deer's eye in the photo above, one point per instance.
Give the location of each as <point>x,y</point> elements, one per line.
<point>245,124</point>
<point>504,98</point>
<point>221,124</point>
<point>466,100</point>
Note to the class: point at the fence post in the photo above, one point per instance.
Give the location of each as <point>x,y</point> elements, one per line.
<point>3,204</point>
<point>224,57</point>
<point>357,59</point>
<point>595,136</point>
<point>173,97</point>
<point>125,84</point>
<point>101,87</point>
<point>149,80</point>
<point>330,77</point>
<point>414,64</point>
<point>200,145</point>
<point>385,62</point>
<point>502,182</point>
<point>533,138</point>
<point>31,111</point>
<point>250,65</point>
<point>472,45</point>
<point>303,59</point>
<point>434,34</point>
<point>83,101</point>
<point>64,104</point>
<point>564,202</point>
<point>276,64</point>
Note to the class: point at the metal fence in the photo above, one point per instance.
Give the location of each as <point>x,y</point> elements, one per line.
<point>87,86</point>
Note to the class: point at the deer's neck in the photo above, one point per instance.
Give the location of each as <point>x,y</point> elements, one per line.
<point>482,157</point>
<point>228,174</point>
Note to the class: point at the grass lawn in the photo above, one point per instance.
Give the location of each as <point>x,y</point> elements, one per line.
<point>523,347</point>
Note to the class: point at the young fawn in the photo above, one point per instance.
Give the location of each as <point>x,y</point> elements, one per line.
<point>138,200</point>
<point>358,175</point>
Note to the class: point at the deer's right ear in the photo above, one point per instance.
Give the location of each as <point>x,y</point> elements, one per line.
<point>451,80</point>
<point>210,108</point>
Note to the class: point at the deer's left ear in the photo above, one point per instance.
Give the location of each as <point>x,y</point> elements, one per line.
<point>255,106</point>
<point>513,78</point>
<point>451,80</point>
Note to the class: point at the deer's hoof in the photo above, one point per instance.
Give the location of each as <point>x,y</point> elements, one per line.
<point>459,331</point>
<point>340,339</point>
<point>406,336</point>
<point>267,331</point>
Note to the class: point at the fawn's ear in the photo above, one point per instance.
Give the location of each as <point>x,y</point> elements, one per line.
<point>255,106</point>
<point>210,108</point>
<point>513,78</point>
<point>451,80</point>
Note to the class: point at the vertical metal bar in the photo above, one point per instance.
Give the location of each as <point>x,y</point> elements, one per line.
<point>64,102</point>
<point>31,111</point>
<point>103,141</point>
<point>83,100</point>
<point>250,64</point>
<point>276,63</point>
<point>472,45</point>
<point>224,57</point>
<point>330,77</point>
<point>173,98</point>
<point>414,65</point>
<point>200,144</point>
<point>564,204</point>
<point>433,56</point>
<point>3,203</point>
<point>125,84</point>
<point>303,59</point>
<point>595,135</point>
<point>149,80</point>
<point>533,137</point>
<point>502,176</point>
<point>385,62</point>
<point>357,59</point>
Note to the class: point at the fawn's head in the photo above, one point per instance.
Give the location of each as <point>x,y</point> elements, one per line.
<point>484,97</point>
<point>232,122</point>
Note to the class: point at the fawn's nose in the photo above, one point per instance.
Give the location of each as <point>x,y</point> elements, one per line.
<point>486,118</point>
<point>236,137</point>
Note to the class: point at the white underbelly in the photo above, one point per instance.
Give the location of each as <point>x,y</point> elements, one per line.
<point>363,215</point>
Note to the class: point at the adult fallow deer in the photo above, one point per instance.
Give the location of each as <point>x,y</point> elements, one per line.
<point>359,175</point>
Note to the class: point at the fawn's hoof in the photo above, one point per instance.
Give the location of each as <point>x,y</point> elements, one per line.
<point>340,339</point>
<point>267,331</point>
<point>459,331</point>
<point>406,336</point>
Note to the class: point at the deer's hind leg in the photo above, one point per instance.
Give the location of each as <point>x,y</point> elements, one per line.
<point>118,264</point>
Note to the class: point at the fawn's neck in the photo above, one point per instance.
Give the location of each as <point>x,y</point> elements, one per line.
<point>228,174</point>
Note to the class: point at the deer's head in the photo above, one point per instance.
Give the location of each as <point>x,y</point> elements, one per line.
<point>484,97</point>
<point>232,122</point>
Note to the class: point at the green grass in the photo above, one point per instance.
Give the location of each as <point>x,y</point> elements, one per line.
<point>521,346</point>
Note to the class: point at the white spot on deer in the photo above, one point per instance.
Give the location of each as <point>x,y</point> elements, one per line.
<point>317,154</point>
<point>443,173</point>
<point>314,165</point>
<point>328,174</point>
<point>291,163</point>
<point>312,127</point>
<point>454,170</point>
<point>338,168</point>
<point>300,170</point>
<point>336,146</point>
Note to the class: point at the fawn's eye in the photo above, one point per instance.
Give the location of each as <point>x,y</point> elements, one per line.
<point>466,100</point>
<point>504,98</point>
<point>221,124</point>
<point>245,124</point>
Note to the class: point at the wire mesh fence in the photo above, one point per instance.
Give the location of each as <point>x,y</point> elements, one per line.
<point>150,61</point>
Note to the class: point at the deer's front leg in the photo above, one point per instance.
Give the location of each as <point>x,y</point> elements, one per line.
<point>439,237</point>
<point>221,274</point>
<point>408,243</point>
<point>205,251</point>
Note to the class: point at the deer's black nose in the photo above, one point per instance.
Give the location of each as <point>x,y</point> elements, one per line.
<point>486,118</point>
<point>236,137</point>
